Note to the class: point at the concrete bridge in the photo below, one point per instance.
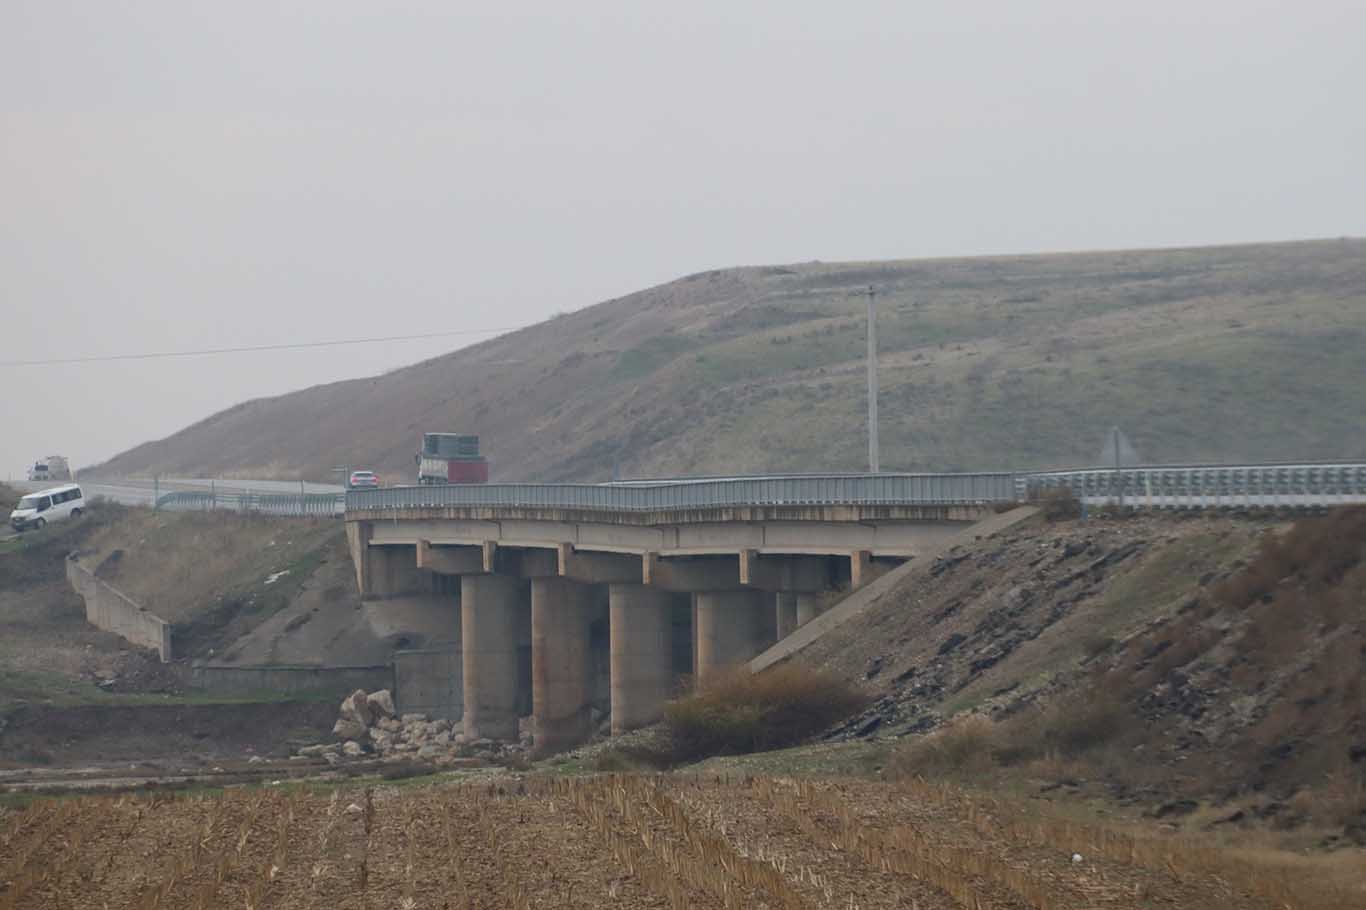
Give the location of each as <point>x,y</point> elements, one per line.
<point>586,596</point>
<point>576,596</point>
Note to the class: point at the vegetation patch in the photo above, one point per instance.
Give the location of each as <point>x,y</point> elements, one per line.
<point>743,712</point>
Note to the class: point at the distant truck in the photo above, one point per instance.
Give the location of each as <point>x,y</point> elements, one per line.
<point>451,458</point>
<point>53,467</point>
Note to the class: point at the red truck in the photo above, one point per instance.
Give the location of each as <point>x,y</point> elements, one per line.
<point>451,458</point>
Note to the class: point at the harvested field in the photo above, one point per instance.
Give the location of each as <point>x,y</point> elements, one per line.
<point>633,841</point>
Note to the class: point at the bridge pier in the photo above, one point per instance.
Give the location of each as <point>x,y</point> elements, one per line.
<point>561,665</point>
<point>490,627</point>
<point>786,609</point>
<point>641,629</point>
<point>809,606</point>
<point>732,627</point>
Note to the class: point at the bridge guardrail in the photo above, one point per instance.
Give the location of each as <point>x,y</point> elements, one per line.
<point>1223,486</point>
<point>869,489</point>
<point>321,505</point>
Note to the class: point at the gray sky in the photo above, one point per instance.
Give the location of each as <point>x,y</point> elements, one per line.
<point>189,174</point>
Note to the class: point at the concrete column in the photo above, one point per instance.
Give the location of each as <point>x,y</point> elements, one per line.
<point>787,615</point>
<point>809,606</point>
<point>560,665</point>
<point>641,620</point>
<point>391,571</point>
<point>768,622</point>
<point>730,629</point>
<point>489,605</point>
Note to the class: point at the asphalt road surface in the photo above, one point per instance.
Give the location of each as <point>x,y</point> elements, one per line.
<point>138,492</point>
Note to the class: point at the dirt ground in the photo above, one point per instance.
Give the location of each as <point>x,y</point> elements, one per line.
<point>177,733</point>
<point>590,842</point>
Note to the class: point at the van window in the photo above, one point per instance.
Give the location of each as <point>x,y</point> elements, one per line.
<point>76,493</point>
<point>45,503</point>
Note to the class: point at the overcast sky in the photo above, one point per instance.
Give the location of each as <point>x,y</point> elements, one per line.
<point>181,175</point>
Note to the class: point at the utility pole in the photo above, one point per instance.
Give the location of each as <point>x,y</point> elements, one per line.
<point>872,382</point>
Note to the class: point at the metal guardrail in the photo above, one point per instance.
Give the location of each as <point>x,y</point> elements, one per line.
<point>322,505</point>
<point>928,489</point>
<point>1229,486</point>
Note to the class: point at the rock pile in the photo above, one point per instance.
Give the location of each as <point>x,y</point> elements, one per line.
<point>368,726</point>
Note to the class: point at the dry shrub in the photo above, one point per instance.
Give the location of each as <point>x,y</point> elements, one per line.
<point>1064,729</point>
<point>9,497</point>
<point>631,759</point>
<point>1317,555</point>
<point>742,712</point>
<point>968,745</point>
<point>1060,504</point>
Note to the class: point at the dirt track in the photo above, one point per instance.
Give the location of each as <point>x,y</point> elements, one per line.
<point>591,842</point>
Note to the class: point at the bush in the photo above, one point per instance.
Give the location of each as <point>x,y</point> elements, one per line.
<point>743,712</point>
<point>1060,504</point>
<point>968,745</point>
<point>630,759</point>
<point>1067,729</point>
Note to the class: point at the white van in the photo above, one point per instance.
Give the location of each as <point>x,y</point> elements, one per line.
<point>37,509</point>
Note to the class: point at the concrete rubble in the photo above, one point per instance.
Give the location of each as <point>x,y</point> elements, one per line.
<point>369,727</point>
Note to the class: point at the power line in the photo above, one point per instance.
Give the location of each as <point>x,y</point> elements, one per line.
<point>155,355</point>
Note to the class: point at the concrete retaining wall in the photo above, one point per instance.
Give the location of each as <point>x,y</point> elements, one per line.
<point>429,682</point>
<point>110,609</point>
<point>292,679</point>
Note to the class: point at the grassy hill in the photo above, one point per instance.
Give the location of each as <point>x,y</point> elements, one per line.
<point>1240,352</point>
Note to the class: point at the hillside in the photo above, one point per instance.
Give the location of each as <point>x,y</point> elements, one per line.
<point>1240,352</point>
<point>1207,667</point>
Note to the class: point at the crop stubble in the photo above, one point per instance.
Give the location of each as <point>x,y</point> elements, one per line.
<point>610,841</point>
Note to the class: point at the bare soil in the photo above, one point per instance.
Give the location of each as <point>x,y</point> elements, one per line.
<point>176,733</point>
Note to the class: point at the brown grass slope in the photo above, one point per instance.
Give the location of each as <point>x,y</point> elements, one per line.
<point>1007,362</point>
<point>1213,659</point>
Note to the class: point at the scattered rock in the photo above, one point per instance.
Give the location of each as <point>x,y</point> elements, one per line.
<point>381,704</point>
<point>1176,807</point>
<point>356,707</point>
<point>346,728</point>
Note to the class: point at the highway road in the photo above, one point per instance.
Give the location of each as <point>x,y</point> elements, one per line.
<point>136,491</point>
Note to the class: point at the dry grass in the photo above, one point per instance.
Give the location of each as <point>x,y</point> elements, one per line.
<point>8,497</point>
<point>1058,733</point>
<point>968,745</point>
<point>742,712</point>
<point>1060,504</point>
<point>628,842</point>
